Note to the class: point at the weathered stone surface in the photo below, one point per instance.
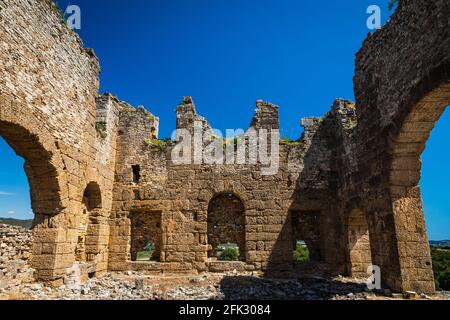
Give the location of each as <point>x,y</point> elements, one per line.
<point>401,88</point>
<point>95,163</point>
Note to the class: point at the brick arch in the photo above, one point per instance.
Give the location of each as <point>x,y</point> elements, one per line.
<point>392,196</point>
<point>226,222</point>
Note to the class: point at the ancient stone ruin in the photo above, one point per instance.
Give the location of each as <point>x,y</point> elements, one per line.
<point>103,186</point>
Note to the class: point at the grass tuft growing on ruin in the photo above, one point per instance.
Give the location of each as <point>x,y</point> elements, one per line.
<point>101,129</point>
<point>291,142</point>
<point>161,143</point>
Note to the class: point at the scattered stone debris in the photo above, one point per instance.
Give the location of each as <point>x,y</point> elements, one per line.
<point>15,251</point>
<point>123,286</point>
<point>17,282</point>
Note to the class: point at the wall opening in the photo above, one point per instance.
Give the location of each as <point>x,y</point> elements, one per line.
<point>306,236</point>
<point>15,200</point>
<point>136,173</point>
<point>44,190</point>
<point>226,228</point>
<point>40,172</point>
<point>301,252</point>
<point>360,256</point>
<point>146,235</point>
<point>87,242</point>
<point>435,189</point>
<point>406,149</point>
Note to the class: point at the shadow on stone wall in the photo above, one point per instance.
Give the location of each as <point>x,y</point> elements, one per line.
<point>313,195</point>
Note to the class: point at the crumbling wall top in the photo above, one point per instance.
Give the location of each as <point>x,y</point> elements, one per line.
<point>266,116</point>
<point>187,116</point>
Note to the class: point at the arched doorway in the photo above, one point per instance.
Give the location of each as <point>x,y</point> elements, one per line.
<point>397,107</point>
<point>306,236</point>
<point>405,172</point>
<point>360,256</point>
<point>226,227</point>
<point>435,187</point>
<point>88,233</point>
<point>41,173</point>
<point>15,200</point>
<point>45,183</point>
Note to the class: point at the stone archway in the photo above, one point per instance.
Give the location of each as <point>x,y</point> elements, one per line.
<point>87,242</point>
<point>405,173</point>
<point>360,256</point>
<point>226,223</point>
<point>401,88</point>
<point>45,194</point>
<point>306,228</point>
<point>391,194</point>
<point>41,173</point>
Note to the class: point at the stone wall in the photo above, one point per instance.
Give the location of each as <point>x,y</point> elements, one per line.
<point>94,162</point>
<point>186,195</point>
<point>401,89</point>
<point>146,229</point>
<point>360,255</point>
<point>48,91</point>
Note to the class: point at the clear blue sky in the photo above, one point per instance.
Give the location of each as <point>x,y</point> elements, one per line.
<point>227,54</point>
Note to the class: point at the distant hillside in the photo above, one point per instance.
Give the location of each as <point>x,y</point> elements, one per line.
<point>442,243</point>
<point>15,222</point>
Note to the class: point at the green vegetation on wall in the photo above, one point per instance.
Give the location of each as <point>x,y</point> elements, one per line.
<point>100,126</point>
<point>161,143</point>
<point>291,142</point>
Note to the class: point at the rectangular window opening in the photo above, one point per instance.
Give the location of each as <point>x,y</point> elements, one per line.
<point>136,173</point>
<point>146,236</point>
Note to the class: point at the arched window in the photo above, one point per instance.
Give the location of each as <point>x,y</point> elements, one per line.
<point>226,227</point>
<point>88,234</point>
<point>306,236</point>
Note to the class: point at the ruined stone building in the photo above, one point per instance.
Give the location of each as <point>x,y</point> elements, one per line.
<point>102,186</point>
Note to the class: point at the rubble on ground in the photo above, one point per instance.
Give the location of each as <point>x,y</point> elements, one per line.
<point>17,282</point>
<point>15,252</point>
